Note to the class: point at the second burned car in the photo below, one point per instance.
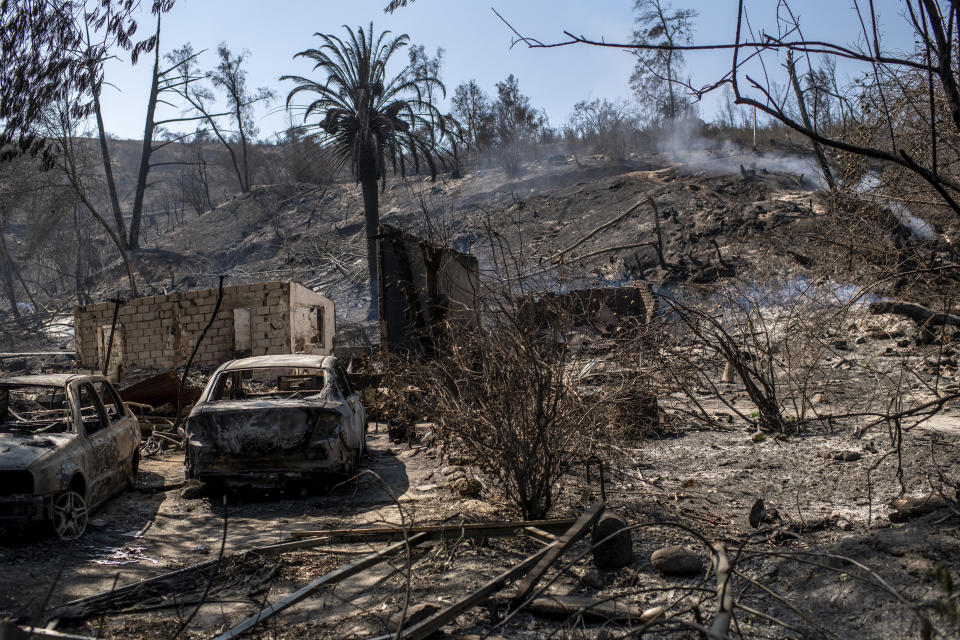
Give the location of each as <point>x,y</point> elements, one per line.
<point>267,421</point>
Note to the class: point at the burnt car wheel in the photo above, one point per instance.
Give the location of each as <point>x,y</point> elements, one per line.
<point>356,460</point>
<point>134,468</point>
<point>69,515</point>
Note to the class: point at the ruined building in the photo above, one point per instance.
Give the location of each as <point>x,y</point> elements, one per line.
<point>424,290</point>
<point>159,332</point>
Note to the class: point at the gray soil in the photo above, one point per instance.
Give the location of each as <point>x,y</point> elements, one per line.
<point>837,568</point>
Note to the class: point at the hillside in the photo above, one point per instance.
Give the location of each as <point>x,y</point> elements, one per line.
<point>315,234</point>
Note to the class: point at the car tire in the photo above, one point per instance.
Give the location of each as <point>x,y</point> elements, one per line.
<point>356,460</point>
<point>70,515</point>
<point>134,468</point>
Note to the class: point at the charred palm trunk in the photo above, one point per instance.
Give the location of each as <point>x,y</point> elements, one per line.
<point>371,209</point>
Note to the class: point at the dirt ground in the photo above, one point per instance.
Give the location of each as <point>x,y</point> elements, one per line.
<point>842,569</point>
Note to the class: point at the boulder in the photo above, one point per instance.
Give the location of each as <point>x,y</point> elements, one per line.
<point>677,561</point>
<point>467,487</point>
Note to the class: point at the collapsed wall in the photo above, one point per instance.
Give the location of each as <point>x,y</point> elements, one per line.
<point>424,290</point>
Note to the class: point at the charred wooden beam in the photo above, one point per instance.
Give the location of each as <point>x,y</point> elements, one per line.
<point>444,531</point>
<point>334,577</point>
<point>579,529</point>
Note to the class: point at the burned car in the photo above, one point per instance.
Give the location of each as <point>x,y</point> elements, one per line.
<point>67,444</point>
<point>268,421</point>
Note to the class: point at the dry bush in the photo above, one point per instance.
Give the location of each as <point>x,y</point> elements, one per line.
<point>779,342</point>
<point>509,394</point>
<point>506,398</point>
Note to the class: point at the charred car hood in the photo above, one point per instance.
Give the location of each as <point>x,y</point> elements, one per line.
<point>19,451</point>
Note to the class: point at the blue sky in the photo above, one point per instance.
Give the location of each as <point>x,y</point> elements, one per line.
<point>477,44</point>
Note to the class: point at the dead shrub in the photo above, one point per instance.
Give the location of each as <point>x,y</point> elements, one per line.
<point>505,397</point>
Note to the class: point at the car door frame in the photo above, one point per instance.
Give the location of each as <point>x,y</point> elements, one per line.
<point>126,433</point>
<point>100,448</point>
<point>342,384</point>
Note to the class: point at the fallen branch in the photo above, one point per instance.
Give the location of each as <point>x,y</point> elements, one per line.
<point>721,566</point>
<point>558,257</point>
<point>10,631</point>
<point>591,609</point>
<point>433,624</point>
<point>917,313</point>
<point>131,594</point>
<point>635,245</point>
<point>539,534</point>
<point>574,533</point>
<point>331,578</point>
<point>437,532</point>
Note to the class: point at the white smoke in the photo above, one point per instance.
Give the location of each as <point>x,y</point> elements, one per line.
<point>684,145</point>
<point>918,227</point>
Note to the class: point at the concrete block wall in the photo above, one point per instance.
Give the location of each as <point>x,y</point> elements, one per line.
<point>161,331</point>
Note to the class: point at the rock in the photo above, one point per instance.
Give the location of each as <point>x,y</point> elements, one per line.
<point>843,456</point>
<point>677,561</point>
<point>416,614</point>
<point>467,487</point>
<point>591,579</point>
<point>194,489</point>
<point>616,552</point>
<point>759,514</point>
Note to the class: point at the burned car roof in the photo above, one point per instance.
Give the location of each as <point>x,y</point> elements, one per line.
<point>295,360</point>
<point>48,379</point>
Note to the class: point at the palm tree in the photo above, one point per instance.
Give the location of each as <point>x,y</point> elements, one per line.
<point>368,120</point>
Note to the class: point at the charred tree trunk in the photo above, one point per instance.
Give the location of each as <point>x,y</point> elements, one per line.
<point>918,313</point>
<point>108,171</point>
<point>245,183</point>
<point>79,264</point>
<point>146,150</point>
<point>8,287</point>
<point>371,209</point>
<point>801,103</point>
<point>117,241</point>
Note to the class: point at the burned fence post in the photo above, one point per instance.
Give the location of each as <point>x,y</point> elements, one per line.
<point>117,301</point>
